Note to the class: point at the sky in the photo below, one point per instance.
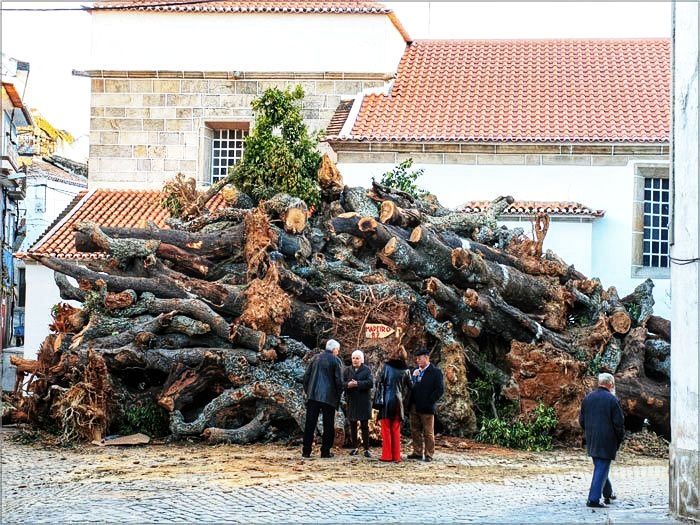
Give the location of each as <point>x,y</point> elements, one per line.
<point>56,43</point>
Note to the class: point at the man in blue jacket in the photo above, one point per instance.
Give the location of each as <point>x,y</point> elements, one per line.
<point>323,384</point>
<point>428,387</point>
<point>602,420</point>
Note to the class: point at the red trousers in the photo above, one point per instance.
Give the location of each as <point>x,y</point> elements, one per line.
<point>391,440</point>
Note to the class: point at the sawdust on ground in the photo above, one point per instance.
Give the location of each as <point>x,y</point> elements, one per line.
<point>456,460</point>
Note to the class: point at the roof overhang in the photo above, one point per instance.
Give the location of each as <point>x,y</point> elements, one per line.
<point>16,100</point>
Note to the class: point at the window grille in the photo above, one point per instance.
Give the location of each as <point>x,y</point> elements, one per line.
<point>227,150</point>
<point>656,216</point>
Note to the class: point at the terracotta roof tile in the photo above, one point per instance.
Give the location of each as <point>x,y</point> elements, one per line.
<point>529,208</point>
<point>525,91</point>
<point>353,7</point>
<point>41,168</point>
<point>112,208</point>
<point>243,6</point>
<point>339,117</point>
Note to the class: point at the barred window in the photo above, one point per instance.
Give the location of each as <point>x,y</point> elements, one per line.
<point>656,216</point>
<point>227,150</point>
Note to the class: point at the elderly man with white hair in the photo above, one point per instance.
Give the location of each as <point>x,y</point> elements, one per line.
<point>603,422</point>
<point>323,385</point>
<point>358,382</point>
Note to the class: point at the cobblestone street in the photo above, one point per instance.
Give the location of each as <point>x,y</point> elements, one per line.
<point>265,484</point>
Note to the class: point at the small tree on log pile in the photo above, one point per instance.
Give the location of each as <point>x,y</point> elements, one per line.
<point>279,154</point>
<point>215,319</point>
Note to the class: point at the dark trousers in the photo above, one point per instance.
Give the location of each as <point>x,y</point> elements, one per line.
<point>364,425</point>
<point>600,482</point>
<point>313,409</point>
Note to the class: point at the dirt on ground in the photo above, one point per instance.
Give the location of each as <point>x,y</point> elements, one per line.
<point>456,460</point>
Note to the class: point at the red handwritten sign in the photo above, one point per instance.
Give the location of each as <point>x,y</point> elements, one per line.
<point>377,331</point>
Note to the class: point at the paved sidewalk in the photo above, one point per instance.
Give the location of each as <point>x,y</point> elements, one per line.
<point>171,484</point>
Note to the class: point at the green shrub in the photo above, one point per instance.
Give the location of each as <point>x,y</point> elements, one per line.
<point>145,417</point>
<point>534,434</point>
<point>279,155</point>
<point>401,179</point>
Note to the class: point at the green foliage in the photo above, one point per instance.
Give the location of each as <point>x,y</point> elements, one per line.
<point>279,155</point>
<point>634,310</point>
<point>401,179</point>
<point>534,434</point>
<point>145,417</point>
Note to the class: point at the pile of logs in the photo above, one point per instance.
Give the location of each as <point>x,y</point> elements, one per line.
<point>215,318</point>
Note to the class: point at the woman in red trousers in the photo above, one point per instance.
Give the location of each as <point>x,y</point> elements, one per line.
<point>394,385</point>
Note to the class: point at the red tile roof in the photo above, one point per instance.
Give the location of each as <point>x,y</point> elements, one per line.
<point>524,91</point>
<point>244,6</point>
<point>113,208</point>
<point>41,168</point>
<point>339,117</point>
<point>353,7</point>
<point>528,208</point>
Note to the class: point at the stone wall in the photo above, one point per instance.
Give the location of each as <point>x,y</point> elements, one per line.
<point>498,154</point>
<point>145,128</point>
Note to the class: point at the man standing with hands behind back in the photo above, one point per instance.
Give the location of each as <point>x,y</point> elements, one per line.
<point>428,387</point>
<point>602,421</point>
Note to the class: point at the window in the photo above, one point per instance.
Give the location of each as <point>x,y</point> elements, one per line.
<point>227,150</point>
<point>651,221</point>
<point>656,216</point>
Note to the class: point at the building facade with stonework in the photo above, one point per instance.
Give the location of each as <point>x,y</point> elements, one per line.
<point>172,85</point>
<point>578,129</point>
<point>550,122</point>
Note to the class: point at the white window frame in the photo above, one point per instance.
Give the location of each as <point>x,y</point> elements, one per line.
<point>644,265</point>
<point>657,214</point>
<point>226,150</point>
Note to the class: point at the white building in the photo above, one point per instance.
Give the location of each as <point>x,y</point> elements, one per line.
<point>584,121</point>
<point>684,454</point>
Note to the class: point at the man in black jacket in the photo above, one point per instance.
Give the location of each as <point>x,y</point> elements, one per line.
<point>602,420</point>
<point>428,387</point>
<point>323,384</point>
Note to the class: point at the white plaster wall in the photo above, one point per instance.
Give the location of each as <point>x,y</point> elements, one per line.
<point>685,394</point>
<point>42,294</point>
<point>243,42</point>
<point>572,241</point>
<point>58,196</point>
<point>609,188</point>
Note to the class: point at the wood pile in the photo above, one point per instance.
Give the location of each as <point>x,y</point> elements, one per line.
<point>215,317</point>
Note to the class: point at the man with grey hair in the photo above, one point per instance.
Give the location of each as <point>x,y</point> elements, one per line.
<point>602,420</point>
<point>323,385</point>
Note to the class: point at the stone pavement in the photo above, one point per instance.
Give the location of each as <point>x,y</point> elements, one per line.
<point>57,485</point>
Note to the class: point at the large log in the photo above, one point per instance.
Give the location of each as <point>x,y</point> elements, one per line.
<point>292,211</point>
<point>639,395</point>
<point>213,245</point>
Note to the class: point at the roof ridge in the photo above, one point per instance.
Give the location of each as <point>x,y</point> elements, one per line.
<point>581,39</point>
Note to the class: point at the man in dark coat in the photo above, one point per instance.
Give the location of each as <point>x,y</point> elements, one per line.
<point>428,387</point>
<point>358,382</point>
<point>323,384</point>
<point>602,420</point>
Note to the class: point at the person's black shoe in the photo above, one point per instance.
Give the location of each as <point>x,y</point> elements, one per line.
<point>428,459</point>
<point>305,454</point>
<point>353,452</point>
<point>328,455</point>
<point>595,504</point>
<point>414,456</point>
<point>367,454</point>
<point>610,498</point>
